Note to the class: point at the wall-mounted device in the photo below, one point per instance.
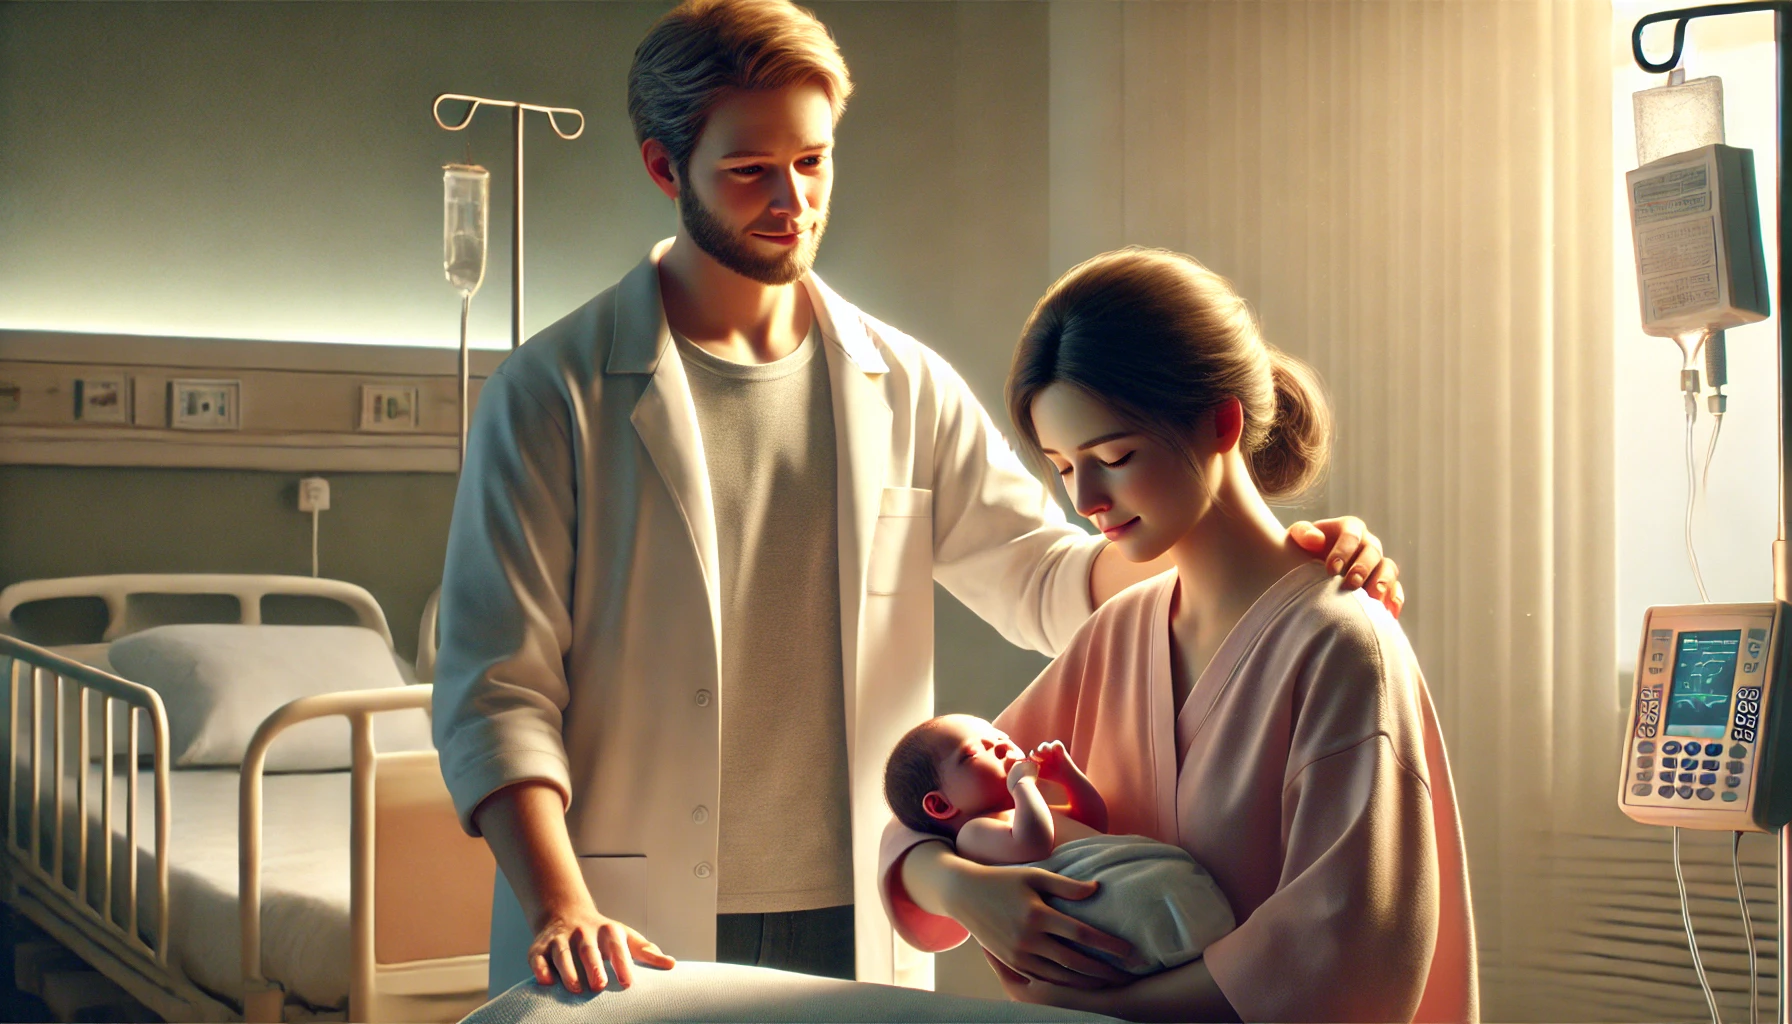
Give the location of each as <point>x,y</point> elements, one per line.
<point>1706,729</point>
<point>103,398</point>
<point>387,408</point>
<point>205,404</point>
<point>314,494</point>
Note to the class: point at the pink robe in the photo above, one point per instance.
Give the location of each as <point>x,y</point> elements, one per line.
<point>1305,772</point>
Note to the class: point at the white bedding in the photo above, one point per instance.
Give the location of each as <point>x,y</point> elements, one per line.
<point>305,877</point>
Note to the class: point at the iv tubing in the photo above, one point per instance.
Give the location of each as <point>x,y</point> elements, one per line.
<point>465,358</point>
<point>1748,932</point>
<point>1717,375</point>
<point>1698,965</point>
<point>1690,344</point>
<point>1717,426</point>
<point>1692,494</point>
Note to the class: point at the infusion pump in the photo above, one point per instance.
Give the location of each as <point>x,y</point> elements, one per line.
<point>1705,748</point>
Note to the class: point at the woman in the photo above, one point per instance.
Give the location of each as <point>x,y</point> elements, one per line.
<point>1244,707</point>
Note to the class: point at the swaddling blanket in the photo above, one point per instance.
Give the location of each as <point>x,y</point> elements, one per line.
<point>1152,894</point>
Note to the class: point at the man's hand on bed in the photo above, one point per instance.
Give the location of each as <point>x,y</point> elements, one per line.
<point>1349,548</point>
<point>582,938</point>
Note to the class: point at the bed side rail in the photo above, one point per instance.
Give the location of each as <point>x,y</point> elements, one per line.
<point>60,689</point>
<point>395,792</point>
<point>116,591</point>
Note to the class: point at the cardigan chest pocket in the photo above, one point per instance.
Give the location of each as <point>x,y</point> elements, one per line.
<point>902,545</point>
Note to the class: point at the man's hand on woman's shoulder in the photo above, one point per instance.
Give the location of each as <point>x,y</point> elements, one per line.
<point>1349,548</point>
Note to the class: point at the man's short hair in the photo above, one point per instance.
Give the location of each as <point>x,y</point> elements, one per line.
<point>912,772</point>
<point>702,49</point>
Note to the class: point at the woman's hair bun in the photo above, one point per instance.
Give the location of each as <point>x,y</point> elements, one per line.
<point>1292,458</point>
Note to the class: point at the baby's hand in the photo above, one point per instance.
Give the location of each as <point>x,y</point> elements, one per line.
<point>1022,770</point>
<point>1054,761</point>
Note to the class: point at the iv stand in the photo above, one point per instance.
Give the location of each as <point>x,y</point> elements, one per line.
<point>516,207</point>
<point>516,225</point>
<point>1782,569</point>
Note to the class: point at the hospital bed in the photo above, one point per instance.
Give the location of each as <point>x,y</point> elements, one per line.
<point>366,901</point>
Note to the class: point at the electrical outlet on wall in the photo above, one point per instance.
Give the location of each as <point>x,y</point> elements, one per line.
<point>314,494</point>
<point>389,407</point>
<point>205,404</point>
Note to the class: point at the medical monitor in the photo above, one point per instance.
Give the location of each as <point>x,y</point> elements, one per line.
<point>1702,747</point>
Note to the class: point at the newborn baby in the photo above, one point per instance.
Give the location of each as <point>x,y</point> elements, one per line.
<point>960,777</point>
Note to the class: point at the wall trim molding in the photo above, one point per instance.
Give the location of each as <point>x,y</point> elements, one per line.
<point>175,449</point>
<point>234,353</point>
<point>300,403</point>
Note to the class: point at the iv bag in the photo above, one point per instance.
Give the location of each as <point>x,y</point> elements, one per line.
<point>466,194</point>
<point>1681,116</point>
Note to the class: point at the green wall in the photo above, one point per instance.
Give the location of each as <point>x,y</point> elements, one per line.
<point>384,531</point>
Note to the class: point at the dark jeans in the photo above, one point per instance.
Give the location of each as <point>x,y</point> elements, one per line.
<point>806,941</point>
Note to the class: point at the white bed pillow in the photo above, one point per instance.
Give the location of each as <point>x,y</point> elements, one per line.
<point>218,683</point>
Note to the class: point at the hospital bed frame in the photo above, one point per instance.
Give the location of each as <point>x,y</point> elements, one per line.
<point>420,889</point>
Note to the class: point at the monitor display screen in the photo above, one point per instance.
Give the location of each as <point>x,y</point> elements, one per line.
<point>1704,672</point>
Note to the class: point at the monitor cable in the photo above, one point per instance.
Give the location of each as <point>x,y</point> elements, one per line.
<point>1748,933</point>
<point>1692,943</point>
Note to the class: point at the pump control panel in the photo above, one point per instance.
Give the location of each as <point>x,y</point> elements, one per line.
<point>1702,749</point>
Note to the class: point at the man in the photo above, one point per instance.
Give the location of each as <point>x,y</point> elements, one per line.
<point>687,608</point>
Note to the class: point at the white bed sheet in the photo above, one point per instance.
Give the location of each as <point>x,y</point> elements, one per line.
<point>305,876</point>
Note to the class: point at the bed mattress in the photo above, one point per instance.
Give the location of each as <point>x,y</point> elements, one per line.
<point>305,876</point>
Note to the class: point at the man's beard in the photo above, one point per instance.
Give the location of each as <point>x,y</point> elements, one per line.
<point>730,250</point>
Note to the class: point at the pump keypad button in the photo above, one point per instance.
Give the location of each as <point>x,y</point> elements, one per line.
<point>1664,791</point>
<point>1706,794</point>
<point>1670,762</point>
<point>1707,779</point>
<point>1645,762</point>
<point>1738,751</point>
<point>1671,747</point>
<point>1732,781</point>
<point>1648,747</point>
<point>1733,767</point>
<point>1640,789</point>
<point>1667,776</point>
<point>1685,792</point>
<point>1710,766</point>
<point>1713,749</point>
<point>1729,797</point>
<point>1686,776</point>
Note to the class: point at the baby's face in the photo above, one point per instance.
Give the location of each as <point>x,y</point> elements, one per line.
<point>974,760</point>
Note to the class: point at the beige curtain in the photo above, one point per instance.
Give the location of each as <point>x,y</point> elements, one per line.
<point>1416,195</point>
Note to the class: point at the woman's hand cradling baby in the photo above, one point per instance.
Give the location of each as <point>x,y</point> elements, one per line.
<point>1004,909</point>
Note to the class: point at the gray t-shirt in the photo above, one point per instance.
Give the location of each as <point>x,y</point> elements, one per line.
<point>768,442</point>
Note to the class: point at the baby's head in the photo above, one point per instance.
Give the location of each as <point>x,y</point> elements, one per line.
<point>948,770</point>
